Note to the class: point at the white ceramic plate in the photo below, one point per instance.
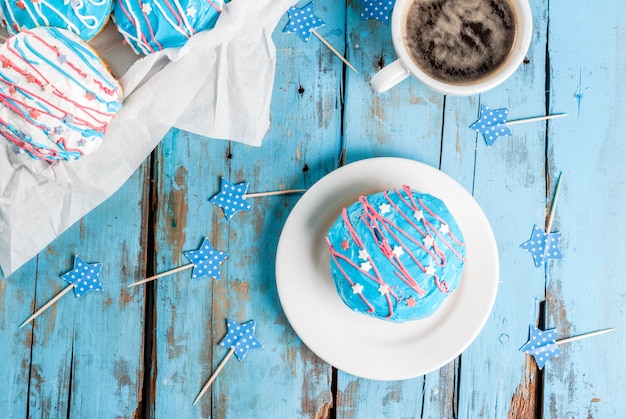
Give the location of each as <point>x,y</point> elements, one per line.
<point>364,346</point>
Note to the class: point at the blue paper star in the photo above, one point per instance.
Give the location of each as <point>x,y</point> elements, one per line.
<point>231,198</point>
<point>377,9</point>
<point>241,337</point>
<point>84,277</point>
<point>492,124</point>
<point>302,21</point>
<point>206,261</point>
<point>543,246</point>
<point>542,345</point>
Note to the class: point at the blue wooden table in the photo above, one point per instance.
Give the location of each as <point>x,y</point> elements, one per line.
<point>146,351</point>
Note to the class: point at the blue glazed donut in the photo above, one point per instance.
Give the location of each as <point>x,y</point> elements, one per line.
<point>85,18</point>
<point>396,255</point>
<point>153,25</point>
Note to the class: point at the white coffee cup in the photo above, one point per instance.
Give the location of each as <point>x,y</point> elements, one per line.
<point>404,66</point>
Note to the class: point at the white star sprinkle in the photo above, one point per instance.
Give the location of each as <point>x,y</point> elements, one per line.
<point>366,266</point>
<point>398,251</point>
<point>191,11</point>
<point>357,288</point>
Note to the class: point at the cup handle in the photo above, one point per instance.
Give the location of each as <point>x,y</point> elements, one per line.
<point>389,76</point>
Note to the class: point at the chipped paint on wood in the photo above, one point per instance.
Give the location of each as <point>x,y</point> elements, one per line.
<point>525,402</point>
<point>323,117</point>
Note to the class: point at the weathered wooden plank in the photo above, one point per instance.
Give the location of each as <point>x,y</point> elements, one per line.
<point>87,353</point>
<point>496,380</point>
<point>458,151</point>
<point>403,122</point>
<point>305,114</point>
<point>186,168</point>
<point>191,316</point>
<point>285,379</point>
<point>586,290</point>
<point>17,294</point>
<point>406,122</point>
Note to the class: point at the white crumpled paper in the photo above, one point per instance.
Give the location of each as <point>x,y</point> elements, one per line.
<point>218,85</point>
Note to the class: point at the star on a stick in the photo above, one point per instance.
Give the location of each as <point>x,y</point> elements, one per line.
<point>84,276</point>
<point>492,124</point>
<point>542,345</point>
<point>241,338</point>
<point>302,21</point>
<point>231,198</point>
<point>206,261</point>
<point>543,246</point>
<point>377,9</point>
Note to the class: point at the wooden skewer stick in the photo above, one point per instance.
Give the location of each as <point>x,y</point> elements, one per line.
<point>536,118</point>
<point>48,304</point>
<point>171,271</point>
<point>214,376</point>
<point>257,194</point>
<point>585,335</point>
<point>341,57</point>
<point>553,206</point>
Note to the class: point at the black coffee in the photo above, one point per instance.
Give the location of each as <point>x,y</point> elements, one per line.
<point>459,41</point>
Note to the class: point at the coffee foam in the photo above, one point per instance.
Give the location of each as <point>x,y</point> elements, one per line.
<point>460,41</point>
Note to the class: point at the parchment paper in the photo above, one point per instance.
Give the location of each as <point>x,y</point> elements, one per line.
<point>218,85</point>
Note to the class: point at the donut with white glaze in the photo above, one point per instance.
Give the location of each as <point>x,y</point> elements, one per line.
<point>57,96</point>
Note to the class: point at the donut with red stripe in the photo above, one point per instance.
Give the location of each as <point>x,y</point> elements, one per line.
<point>396,255</point>
<point>149,26</point>
<point>85,18</point>
<point>57,96</point>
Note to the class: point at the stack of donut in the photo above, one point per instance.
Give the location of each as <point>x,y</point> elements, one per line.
<point>57,96</point>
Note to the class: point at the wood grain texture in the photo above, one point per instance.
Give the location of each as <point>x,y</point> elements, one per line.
<point>183,334</point>
<point>509,183</point>
<point>17,297</point>
<point>147,351</point>
<point>66,364</point>
<point>406,121</point>
<point>587,70</point>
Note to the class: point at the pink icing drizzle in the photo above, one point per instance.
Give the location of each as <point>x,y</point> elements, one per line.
<point>376,223</point>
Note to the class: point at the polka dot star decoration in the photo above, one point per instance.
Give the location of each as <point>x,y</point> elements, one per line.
<point>303,22</point>
<point>377,9</point>
<point>492,123</point>
<point>544,245</point>
<point>240,339</point>
<point>83,278</point>
<point>205,261</point>
<point>542,344</point>
<point>232,198</point>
